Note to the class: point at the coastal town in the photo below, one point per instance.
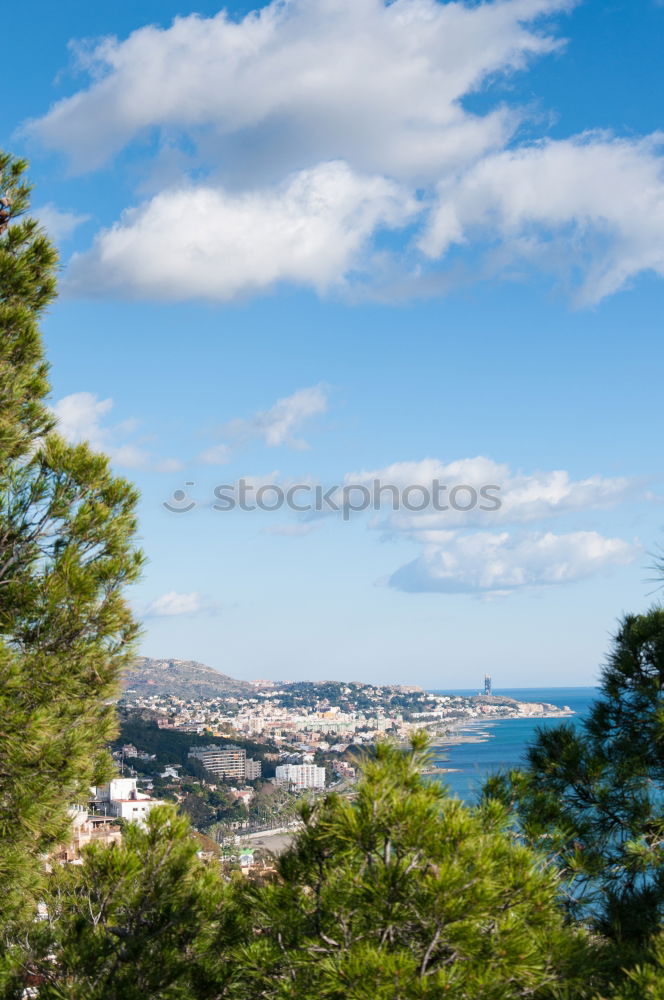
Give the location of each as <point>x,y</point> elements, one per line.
<point>238,762</point>
<point>331,492</point>
<point>330,715</point>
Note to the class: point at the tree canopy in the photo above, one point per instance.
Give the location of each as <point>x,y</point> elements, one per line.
<point>67,528</point>
<point>401,892</point>
<point>592,795</point>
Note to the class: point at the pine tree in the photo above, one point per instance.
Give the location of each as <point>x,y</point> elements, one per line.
<point>398,894</point>
<point>592,795</point>
<point>403,892</point>
<point>27,285</point>
<point>66,552</point>
<point>130,923</point>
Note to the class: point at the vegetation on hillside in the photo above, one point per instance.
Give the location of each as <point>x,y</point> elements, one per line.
<point>172,747</point>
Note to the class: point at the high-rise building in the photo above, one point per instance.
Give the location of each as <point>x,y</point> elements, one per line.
<point>487,683</point>
<point>228,761</point>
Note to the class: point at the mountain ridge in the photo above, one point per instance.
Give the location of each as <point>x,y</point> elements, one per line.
<point>182,678</point>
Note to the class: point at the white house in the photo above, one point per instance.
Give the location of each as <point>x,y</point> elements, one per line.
<point>121,798</point>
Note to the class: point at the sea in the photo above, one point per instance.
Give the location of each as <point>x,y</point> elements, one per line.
<point>502,742</point>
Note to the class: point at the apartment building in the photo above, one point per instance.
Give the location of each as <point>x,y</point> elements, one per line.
<point>297,776</point>
<point>228,761</point>
<point>252,769</point>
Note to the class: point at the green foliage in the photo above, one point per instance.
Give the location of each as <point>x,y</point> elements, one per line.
<point>643,980</point>
<point>399,894</point>
<point>196,808</point>
<point>592,795</point>
<point>66,536</point>
<point>27,284</point>
<point>129,923</point>
<point>405,893</point>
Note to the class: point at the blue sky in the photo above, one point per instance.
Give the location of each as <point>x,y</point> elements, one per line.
<point>327,241</point>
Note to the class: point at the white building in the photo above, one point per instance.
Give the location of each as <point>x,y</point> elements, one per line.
<point>297,776</point>
<point>170,771</point>
<point>121,798</point>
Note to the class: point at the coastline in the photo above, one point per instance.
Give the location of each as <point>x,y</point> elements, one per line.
<point>477,731</point>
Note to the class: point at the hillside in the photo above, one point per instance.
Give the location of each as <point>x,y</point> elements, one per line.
<point>183,678</point>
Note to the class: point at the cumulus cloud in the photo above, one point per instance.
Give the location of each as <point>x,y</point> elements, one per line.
<point>283,144</point>
<point>500,562</point>
<point>172,604</point>
<point>81,417</point>
<point>376,84</point>
<point>484,548</point>
<point>214,244</point>
<point>523,496</point>
<point>465,548</point>
<point>594,204</point>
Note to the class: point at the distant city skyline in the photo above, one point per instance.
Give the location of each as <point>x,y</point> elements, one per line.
<point>323,243</point>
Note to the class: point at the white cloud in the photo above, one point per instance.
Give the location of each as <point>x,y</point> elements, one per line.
<point>213,244</point>
<point>304,81</point>
<point>173,603</point>
<point>59,225</point>
<point>465,551</point>
<point>524,497</point>
<point>128,455</point>
<point>500,562</point>
<point>290,139</point>
<point>275,427</point>
<point>594,204</point>
<point>475,550</point>
<point>81,417</point>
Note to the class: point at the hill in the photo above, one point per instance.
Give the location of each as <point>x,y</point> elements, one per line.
<point>183,678</point>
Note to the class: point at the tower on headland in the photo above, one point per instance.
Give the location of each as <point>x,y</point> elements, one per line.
<point>487,683</point>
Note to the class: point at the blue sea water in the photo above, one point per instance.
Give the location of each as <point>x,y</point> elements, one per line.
<point>506,739</point>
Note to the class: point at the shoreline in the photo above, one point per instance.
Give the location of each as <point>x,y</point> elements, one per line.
<point>478,730</point>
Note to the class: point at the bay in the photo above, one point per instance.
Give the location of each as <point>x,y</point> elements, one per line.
<point>505,742</point>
